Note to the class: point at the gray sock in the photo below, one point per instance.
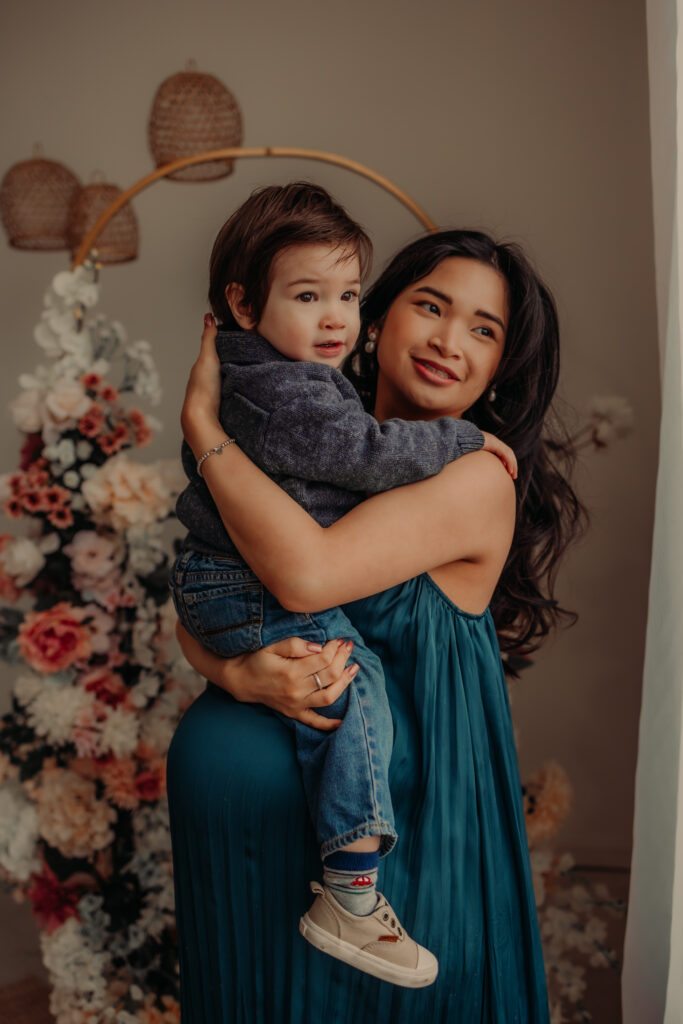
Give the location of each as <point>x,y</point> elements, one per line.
<point>353,889</point>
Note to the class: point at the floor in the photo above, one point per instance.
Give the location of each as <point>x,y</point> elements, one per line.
<point>24,991</point>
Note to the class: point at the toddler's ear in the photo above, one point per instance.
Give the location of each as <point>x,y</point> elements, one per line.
<point>234,293</point>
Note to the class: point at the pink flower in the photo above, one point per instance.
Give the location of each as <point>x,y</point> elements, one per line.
<point>141,429</point>
<point>118,776</point>
<point>100,625</point>
<point>91,380</point>
<point>30,449</point>
<point>52,902</point>
<point>62,518</point>
<point>13,508</point>
<point>55,497</point>
<point>91,554</point>
<point>114,442</point>
<point>108,393</point>
<point>54,639</point>
<point>151,783</point>
<point>90,425</point>
<point>8,588</point>
<point>108,687</point>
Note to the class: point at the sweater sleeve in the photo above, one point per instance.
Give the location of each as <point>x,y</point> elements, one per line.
<point>321,435</point>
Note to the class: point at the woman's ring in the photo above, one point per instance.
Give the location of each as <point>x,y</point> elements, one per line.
<point>318,683</point>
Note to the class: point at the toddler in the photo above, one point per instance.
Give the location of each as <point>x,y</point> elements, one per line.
<point>285,276</point>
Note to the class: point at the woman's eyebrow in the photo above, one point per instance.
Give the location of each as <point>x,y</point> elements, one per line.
<point>447,299</point>
<point>439,295</point>
<point>489,316</point>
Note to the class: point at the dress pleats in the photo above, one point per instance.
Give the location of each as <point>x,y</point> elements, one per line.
<point>459,876</point>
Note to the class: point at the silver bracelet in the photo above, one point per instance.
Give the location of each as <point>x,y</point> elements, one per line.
<point>213,451</point>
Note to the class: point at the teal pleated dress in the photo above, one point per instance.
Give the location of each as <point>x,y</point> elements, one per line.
<point>459,876</point>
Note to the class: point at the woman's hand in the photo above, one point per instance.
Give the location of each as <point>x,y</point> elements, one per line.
<point>281,676</point>
<point>199,414</point>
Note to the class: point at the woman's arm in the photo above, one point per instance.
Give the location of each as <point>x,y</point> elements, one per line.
<point>279,676</point>
<point>466,512</point>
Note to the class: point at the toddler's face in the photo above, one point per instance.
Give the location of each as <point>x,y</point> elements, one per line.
<point>311,313</point>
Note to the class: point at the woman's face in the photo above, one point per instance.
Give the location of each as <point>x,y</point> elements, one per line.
<point>441,341</point>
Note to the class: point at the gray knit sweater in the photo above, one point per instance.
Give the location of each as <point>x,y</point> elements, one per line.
<point>304,425</point>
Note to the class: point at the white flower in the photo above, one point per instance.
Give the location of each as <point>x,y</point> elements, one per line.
<point>571,981</point>
<point>61,454</point>
<point>49,543</point>
<point>83,449</point>
<point>611,416</point>
<point>146,688</point>
<point>92,555</point>
<point>74,964</point>
<point>54,711</point>
<point>88,470</point>
<point>22,560</point>
<point>27,687</point>
<point>119,733</point>
<point>75,286</point>
<point>18,832</point>
<point>78,348</point>
<point>147,548</point>
<point>27,411</point>
<point>45,336</point>
<point>5,489</point>
<point>71,479</point>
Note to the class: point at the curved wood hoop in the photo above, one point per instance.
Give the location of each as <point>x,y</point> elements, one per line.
<point>235,152</point>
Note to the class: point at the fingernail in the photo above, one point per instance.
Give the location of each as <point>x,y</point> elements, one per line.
<point>353,670</point>
<point>316,648</point>
<point>350,646</point>
<point>209,320</point>
<point>339,643</point>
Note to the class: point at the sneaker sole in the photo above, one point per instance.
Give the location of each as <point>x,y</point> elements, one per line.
<point>366,962</point>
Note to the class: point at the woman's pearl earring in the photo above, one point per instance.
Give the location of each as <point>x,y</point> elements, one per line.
<point>492,395</point>
<point>371,343</point>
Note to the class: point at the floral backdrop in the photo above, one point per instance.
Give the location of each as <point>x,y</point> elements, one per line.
<point>100,686</point>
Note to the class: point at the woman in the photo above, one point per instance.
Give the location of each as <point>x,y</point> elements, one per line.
<point>463,325</point>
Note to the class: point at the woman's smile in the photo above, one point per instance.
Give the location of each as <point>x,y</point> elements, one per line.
<point>434,372</point>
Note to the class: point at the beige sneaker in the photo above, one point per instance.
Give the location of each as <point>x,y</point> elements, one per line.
<point>376,944</point>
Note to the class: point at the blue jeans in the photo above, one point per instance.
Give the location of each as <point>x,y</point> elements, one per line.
<point>225,606</point>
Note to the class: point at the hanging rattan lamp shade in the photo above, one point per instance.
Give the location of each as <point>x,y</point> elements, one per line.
<point>118,243</point>
<point>194,112</point>
<point>35,197</point>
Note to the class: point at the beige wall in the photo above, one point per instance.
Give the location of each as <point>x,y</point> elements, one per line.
<point>526,118</point>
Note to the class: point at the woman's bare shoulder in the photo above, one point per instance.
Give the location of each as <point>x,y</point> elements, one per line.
<point>489,487</point>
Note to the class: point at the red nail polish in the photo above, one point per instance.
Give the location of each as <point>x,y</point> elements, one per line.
<point>209,320</point>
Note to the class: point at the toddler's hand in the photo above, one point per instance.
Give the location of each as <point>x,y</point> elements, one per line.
<point>503,451</point>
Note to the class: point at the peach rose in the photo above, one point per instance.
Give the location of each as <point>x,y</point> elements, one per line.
<point>66,400</point>
<point>54,639</point>
<point>119,781</point>
<point>70,817</point>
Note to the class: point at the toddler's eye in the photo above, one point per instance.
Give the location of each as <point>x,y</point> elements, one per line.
<point>306,297</point>
<point>349,296</point>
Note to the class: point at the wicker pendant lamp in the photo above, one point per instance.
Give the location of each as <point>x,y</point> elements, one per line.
<point>35,197</point>
<point>194,112</point>
<point>118,242</point>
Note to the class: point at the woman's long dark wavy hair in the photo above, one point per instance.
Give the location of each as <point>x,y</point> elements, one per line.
<point>549,514</point>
